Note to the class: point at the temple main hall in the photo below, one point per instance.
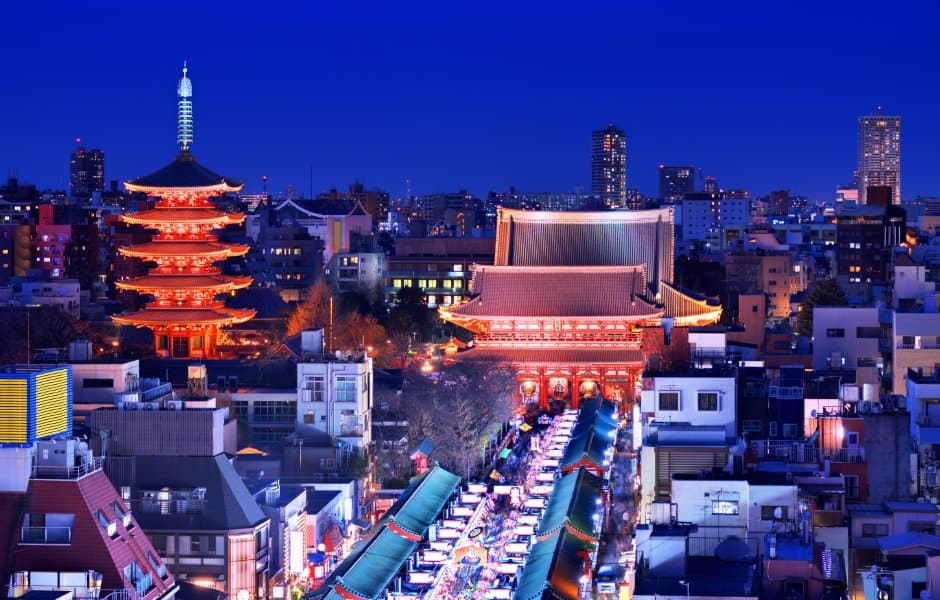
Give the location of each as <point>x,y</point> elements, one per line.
<point>568,297</point>
<point>186,313</point>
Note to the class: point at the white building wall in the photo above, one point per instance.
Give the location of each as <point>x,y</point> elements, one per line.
<point>688,411</point>
<point>835,335</point>
<point>120,374</point>
<point>349,419</point>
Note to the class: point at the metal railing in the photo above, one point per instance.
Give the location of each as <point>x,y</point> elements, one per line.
<point>803,452</point>
<point>828,518</point>
<point>65,472</point>
<point>45,535</point>
<point>78,593</point>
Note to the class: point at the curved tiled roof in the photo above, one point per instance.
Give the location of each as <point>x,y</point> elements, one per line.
<point>184,172</point>
<point>171,316</point>
<point>558,292</point>
<point>205,249</point>
<point>221,283</point>
<point>195,216</point>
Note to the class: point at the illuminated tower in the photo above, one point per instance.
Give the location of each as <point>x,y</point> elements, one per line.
<point>609,166</point>
<point>879,155</point>
<point>185,314</point>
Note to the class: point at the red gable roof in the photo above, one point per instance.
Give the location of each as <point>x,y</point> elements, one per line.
<point>91,547</point>
<point>515,291</point>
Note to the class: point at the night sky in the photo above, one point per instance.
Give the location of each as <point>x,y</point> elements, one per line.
<point>474,95</point>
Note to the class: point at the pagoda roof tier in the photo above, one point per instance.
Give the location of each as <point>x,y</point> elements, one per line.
<point>184,173</point>
<point>161,317</point>
<point>213,282</point>
<point>175,215</point>
<point>207,249</point>
<point>553,292</point>
<point>557,356</point>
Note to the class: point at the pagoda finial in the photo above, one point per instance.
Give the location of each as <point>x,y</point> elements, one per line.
<point>184,112</point>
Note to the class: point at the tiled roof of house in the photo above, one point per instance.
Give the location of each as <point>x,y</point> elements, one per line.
<point>553,568</point>
<point>165,316</point>
<point>575,500</point>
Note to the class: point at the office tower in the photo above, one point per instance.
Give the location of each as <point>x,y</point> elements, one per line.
<point>86,174</point>
<point>609,166</point>
<point>879,155</point>
<point>675,182</point>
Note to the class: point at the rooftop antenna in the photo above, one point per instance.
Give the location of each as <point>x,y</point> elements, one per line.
<point>264,186</point>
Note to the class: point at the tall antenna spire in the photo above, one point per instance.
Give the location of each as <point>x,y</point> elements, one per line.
<point>184,112</point>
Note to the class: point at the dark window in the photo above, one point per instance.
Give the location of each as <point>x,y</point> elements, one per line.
<point>835,333</point>
<point>668,400</point>
<point>158,540</point>
<point>708,401</point>
<point>868,332</point>
<point>195,544</point>
<point>874,529</point>
<point>91,382</point>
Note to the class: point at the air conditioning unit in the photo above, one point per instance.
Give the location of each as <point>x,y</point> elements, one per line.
<point>174,404</point>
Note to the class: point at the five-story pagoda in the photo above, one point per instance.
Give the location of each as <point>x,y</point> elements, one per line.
<point>185,314</point>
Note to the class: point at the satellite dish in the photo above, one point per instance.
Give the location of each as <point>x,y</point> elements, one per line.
<point>813,413</point>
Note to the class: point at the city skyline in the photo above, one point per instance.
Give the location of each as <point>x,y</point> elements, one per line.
<point>418,93</point>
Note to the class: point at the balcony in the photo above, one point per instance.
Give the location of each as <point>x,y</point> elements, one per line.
<point>803,452</point>
<point>828,518</point>
<point>350,431</point>
<point>46,535</point>
<point>66,472</point>
<point>918,346</point>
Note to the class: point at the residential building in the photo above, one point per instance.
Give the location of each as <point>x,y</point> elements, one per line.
<point>66,528</point>
<point>916,343</point>
<point>171,468</point>
<point>609,166</point>
<point>360,272</point>
<point>441,267</point>
<point>713,221</point>
<point>334,394</point>
<point>86,172</point>
<point>286,507</point>
<point>289,256</point>
<point>847,337</point>
<point>879,155</point>
<point>675,182</point>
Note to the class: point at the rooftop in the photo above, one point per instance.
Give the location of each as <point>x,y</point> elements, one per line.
<point>184,172</point>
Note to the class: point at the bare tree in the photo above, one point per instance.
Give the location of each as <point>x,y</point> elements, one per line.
<point>313,312</point>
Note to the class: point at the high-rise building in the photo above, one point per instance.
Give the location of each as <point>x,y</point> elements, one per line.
<point>86,174</point>
<point>675,182</point>
<point>609,166</point>
<point>879,155</point>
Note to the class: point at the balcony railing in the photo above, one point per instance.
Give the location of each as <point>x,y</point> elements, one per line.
<point>64,472</point>
<point>350,431</point>
<point>78,593</point>
<point>828,518</point>
<point>785,392</point>
<point>803,452</point>
<point>920,346</point>
<point>46,535</point>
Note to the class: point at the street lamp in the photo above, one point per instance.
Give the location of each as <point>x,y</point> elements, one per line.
<point>686,584</point>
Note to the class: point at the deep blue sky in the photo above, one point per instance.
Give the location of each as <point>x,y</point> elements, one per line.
<point>478,95</point>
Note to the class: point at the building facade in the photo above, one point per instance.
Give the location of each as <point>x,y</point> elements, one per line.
<point>86,172</point>
<point>675,182</point>
<point>879,155</point>
<point>609,166</point>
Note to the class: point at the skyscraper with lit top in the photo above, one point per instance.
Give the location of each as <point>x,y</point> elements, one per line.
<point>609,166</point>
<point>879,155</point>
<point>185,314</point>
